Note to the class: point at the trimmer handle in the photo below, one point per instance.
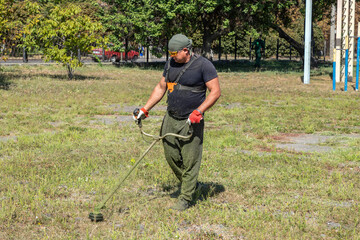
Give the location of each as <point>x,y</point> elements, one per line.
<point>136,113</point>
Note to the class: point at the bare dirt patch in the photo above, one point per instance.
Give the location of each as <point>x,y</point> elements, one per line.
<point>112,119</point>
<point>285,136</point>
<point>208,231</point>
<point>130,109</point>
<point>312,142</point>
<point>233,105</point>
<point>7,138</point>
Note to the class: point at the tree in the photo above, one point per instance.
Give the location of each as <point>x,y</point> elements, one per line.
<point>214,18</point>
<point>14,15</point>
<point>113,21</point>
<point>160,19</point>
<point>62,33</point>
<point>279,15</point>
<point>148,22</point>
<point>4,13</point>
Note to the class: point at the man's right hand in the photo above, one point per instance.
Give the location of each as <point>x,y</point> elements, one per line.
<point>140,114</point>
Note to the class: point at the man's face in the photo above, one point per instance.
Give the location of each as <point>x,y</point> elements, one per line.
<point>181,56</point>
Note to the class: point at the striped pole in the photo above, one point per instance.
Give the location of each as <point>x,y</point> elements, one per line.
<point>346,69</point>
<point>357,65</point>
<point>346,62</point>
<point>334,70</point>
<point>338,45</point>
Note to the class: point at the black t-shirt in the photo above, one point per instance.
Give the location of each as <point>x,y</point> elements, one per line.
<point>182,102</point>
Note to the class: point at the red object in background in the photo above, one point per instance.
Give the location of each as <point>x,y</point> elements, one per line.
<point>114,56</point>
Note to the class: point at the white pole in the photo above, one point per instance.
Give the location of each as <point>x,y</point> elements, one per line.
<point>332,31</point>
<point>345,36</point>
<point>338,39</point>
<point>352,35</point>
<point>307,54</point>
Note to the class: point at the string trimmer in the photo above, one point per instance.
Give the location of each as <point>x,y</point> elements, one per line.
<point>96,215</point>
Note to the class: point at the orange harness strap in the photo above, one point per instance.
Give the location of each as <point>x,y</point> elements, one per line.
<point>170,86</point>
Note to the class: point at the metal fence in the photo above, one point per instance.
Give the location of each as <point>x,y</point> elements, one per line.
<point>280,50</point>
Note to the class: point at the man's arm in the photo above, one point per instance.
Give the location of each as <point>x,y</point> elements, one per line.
<point>215,92</point>
<point>156,95</point>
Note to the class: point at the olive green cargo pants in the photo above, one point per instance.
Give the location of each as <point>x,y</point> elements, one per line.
<point>183,156</point>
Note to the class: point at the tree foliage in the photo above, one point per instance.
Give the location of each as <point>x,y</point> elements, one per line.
<point>155,21</point>
<point>14,16</point>
<point>280,16</point>
<point>207,20</point>
<point>62,34</point>
<point>60,27</point>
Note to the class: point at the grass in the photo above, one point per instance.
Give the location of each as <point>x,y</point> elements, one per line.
<point>65,144</point>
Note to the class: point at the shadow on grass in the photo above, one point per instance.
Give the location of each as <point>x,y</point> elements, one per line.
<point>282,66</point>
<point>77,77</point>
<point>208,189</point>
<point>266,65</point>
<point>4,82</point>
<point>59,77</point>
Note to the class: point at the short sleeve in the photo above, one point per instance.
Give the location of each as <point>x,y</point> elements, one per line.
<point>208,70</point>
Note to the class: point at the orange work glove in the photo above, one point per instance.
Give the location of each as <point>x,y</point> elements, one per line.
<point>196,116</point>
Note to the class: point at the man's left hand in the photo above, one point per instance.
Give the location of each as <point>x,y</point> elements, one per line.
<point>196,116</point>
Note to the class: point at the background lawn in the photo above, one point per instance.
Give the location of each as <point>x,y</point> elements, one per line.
<point>65,144</point>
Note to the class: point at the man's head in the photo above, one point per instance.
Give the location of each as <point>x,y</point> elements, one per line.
<point>180,48</point>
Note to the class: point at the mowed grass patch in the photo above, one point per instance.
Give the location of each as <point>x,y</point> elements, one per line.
<point>60,156</point>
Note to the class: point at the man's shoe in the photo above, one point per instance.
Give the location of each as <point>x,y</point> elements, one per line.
<point>181,205</point>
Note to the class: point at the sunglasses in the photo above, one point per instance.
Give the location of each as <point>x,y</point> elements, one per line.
<point>174,53</point>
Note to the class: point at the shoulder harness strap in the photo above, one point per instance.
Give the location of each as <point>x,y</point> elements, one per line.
<point>175,85</point>
<point>194,57</point>
<point>167,71</point>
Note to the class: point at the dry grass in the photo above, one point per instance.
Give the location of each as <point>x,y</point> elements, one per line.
<point>65,144</point>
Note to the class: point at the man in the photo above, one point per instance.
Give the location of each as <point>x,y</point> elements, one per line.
<point>259,46</point>
<point>186,77</point>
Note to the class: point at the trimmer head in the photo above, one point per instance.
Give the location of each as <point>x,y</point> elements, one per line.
<point>96,217</point>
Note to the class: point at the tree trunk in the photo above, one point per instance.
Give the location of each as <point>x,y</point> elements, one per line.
<point>70,72</point>
<point>208,39</point>
<point>79,55</point>
<point>296,45</point>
